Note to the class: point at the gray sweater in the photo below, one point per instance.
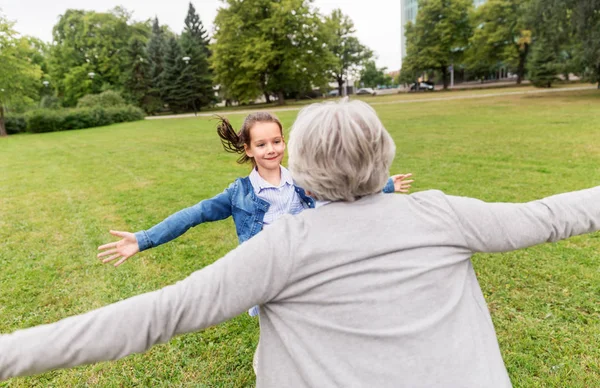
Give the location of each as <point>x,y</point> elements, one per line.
<point>375,293</point>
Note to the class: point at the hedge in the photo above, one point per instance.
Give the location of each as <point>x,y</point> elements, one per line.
<point>47,120</point>
<point>15,124</point>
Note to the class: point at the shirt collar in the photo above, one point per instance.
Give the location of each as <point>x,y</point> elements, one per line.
<point>259,183</point>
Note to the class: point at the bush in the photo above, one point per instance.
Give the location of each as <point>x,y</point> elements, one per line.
<point>107,99</point>
<point>50,102</point>
<point>15,124</point>
<point>46,120</point>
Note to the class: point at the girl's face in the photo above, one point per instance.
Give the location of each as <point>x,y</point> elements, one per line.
<point>266,146</point>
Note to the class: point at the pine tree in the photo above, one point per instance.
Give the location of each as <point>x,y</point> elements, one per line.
<point>543,67</point>
<point>172,91</point>
<point>155,53</point>
<point>195,29</point>
<point>136,78</point>
<point>196,79</point>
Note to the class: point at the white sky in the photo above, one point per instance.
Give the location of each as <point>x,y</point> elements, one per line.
<point>377,22</point>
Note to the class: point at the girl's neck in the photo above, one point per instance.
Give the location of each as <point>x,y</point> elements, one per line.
<point>271,176</point>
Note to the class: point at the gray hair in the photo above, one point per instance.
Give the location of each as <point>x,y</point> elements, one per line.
<point>340,151</point>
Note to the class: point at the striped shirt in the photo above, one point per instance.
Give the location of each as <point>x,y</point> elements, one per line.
<point>283,199</point>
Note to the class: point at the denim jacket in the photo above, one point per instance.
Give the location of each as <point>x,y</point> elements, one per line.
<point>238,201</point>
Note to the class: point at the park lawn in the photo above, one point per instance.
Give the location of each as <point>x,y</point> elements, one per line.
<point>61,192</point>
<point>405,96</point>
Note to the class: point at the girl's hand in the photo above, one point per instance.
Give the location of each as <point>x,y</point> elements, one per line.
<point>123,249</point>
<point>401,184</point>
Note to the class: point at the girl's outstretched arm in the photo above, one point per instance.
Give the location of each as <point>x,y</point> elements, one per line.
<point>213,209</point>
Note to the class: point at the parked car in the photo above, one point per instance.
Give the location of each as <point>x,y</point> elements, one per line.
<point>425,86</point>
<point>333,93</point>
<point>366,91</point>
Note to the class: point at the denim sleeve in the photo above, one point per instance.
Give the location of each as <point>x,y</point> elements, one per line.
<point>389,186</point>
<point>213,209</point>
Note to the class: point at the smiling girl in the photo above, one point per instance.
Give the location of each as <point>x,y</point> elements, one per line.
<point>254,201</point>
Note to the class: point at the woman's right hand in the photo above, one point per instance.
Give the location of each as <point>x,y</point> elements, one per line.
<point>123,249</point>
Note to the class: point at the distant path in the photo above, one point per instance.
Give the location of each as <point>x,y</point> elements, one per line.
<point>462,96</point>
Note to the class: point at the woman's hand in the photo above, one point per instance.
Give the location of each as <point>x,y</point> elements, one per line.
<point>401,184</point>
<point>122,249</point>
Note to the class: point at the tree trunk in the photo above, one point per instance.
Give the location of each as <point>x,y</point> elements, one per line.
<point>522,61</point>
<point>267,97</point>
<point>280,98</point>
<point>340,81</point>
<point>3,132</point>
<point>444,70</point>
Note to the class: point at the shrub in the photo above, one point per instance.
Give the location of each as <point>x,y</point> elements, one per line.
<point>15,124</point>
<point>50,102</point>
<point>46,120</point>
<point>105,99</point>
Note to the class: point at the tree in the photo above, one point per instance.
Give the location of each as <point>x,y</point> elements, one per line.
<point>155,51</point>
<point>501,37</point>
<point>439,36</point>
<point>347,52</point>
<point>195,28</point>
<point>371,76</point>
<point>136,78</point>
<point>586,23</point>
<point>553,29</point>
<point>172,91</point>
<point>542,67</point>
<point>87,40</point>
<point>197,77</point>
<point>268,47</point>
<point>19,77</point>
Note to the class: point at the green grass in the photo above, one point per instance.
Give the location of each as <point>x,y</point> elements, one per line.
<point>61,192</point>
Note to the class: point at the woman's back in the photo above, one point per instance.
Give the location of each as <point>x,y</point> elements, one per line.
<point>381,293</point>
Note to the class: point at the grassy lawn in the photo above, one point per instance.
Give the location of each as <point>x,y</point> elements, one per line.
<point>402,96</point>
<point>61,192</point>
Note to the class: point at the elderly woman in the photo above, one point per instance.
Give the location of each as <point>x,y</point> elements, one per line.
<point>368,290</point>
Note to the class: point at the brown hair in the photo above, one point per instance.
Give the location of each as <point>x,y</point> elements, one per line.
<point>234,142</point>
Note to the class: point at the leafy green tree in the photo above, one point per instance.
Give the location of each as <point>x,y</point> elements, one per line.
<point>348,54</point>
<point>268,47</point>
<point>439,36</point>
<point>19,77</point>
<point>371,76</point>
<point>196,76</point>
<point>501,37</point>
<point>92,42</point>
<point>543,66</point>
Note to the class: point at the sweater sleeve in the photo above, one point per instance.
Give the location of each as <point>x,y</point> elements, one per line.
<point>252,274</point>
<point>501,227</point>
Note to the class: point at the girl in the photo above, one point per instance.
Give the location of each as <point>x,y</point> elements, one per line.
<point>254,201</point>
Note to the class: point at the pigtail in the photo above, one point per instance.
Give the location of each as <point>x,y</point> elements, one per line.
<point>229,138</point>
<point>231,141</point>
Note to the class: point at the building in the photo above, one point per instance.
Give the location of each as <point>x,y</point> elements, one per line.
<point>408,13</point>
